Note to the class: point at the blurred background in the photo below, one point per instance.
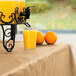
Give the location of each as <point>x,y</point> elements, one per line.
<point>53,15</point>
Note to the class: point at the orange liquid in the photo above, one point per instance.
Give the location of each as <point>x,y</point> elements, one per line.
<point>30,39</point>
<point>8,7</point>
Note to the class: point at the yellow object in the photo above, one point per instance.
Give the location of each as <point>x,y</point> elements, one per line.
<point>29,39</point>
<point>8,7</point>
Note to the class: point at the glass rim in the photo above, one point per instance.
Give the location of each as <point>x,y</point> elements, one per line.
<point>30,28</point>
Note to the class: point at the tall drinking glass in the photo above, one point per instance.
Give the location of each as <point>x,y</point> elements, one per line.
<point>30,36</point>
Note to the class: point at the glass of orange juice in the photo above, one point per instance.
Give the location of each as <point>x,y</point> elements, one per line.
<point>30,36</point>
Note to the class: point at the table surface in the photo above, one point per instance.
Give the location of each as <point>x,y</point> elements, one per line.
<point>20,57</point>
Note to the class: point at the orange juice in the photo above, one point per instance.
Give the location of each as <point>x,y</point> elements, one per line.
<point>29,39</point>
<point>8,7</point>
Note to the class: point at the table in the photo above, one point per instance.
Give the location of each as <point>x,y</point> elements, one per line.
<point>45,60</point>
